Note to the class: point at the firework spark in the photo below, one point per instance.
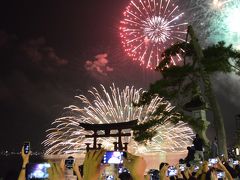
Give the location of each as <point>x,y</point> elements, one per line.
<point>227,27</point>
<point>215,20</point>
<point>149,27</point>
<point>111,107</point>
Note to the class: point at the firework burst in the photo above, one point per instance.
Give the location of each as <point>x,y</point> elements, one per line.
<point>226,26</point>
<point>114,106</point>
<point>214,20</point>
<point>149,27</point>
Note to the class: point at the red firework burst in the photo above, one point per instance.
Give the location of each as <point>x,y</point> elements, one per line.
<point>149,27</point>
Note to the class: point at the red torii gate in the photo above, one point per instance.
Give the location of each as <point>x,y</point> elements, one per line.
<point>106,128</point>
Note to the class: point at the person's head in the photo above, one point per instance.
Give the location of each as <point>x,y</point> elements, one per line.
<point>188,164</point>
<point>172,178</point>
<point>192,177</point>
<point>125,176</point>
<point>154,174</point>
<point>181,161</point>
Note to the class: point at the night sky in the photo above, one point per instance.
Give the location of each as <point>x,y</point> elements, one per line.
<point>51,50</point>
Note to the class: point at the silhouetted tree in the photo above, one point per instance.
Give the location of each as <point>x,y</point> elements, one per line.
<point>188,80</point>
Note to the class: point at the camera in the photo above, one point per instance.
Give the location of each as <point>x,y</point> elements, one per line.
<point>113,157</point>
<point>26,147</point>
<point>69,162</point>
<point>172,171</point>
<point>37,171</point>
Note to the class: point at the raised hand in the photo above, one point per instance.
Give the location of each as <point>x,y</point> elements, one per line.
<point>136,165</point>
<point>56,171</point>
<point>92,164</point>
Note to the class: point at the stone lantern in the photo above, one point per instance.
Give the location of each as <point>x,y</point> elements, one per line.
<point>197,106</point>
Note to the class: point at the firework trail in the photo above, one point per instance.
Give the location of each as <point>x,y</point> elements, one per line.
<point>112,106</point>
<point>149,27</point>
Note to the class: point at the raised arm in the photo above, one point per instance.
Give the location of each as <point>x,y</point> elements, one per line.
<point>224,169</point>
<point>136,165</point>
<point>77,172</point>
<point>25,158</point>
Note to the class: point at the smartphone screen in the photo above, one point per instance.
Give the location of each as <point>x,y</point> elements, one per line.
<point>113,157</point>
<point>26,147</point>
<point>37,171</point>
<point>172,171</point>
<point>235,162</point>
<point>220,174</point>
<point>213,161</point>
<point>196,168</point>
<point>69,162</point>
<point>182,167</point>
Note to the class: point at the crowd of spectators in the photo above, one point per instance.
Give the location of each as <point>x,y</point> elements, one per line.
<point>92,169</point>
<point>194,166</point>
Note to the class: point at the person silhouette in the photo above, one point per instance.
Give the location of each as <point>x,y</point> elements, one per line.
<point>198,146</point>
<point>214,148</point>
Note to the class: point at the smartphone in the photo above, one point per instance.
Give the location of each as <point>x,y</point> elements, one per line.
<point>37,171</point>
<point>69,162</point>
<point>113,157</point>
<point>26,147</point>
<point>196,168</point>
<point>213,160</point>
<point>220,174</point>
<point>182,167</point>
<point>235,162</point>
<point>172,171</point>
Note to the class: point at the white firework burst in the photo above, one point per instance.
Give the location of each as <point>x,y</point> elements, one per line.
<point>227,27</point>
<point>203,14</point>
<point>115,106</point>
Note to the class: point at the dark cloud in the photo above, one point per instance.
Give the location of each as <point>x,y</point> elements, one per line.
<point>34,86</point>
<point>33,56</point>
<point>38,52</point>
